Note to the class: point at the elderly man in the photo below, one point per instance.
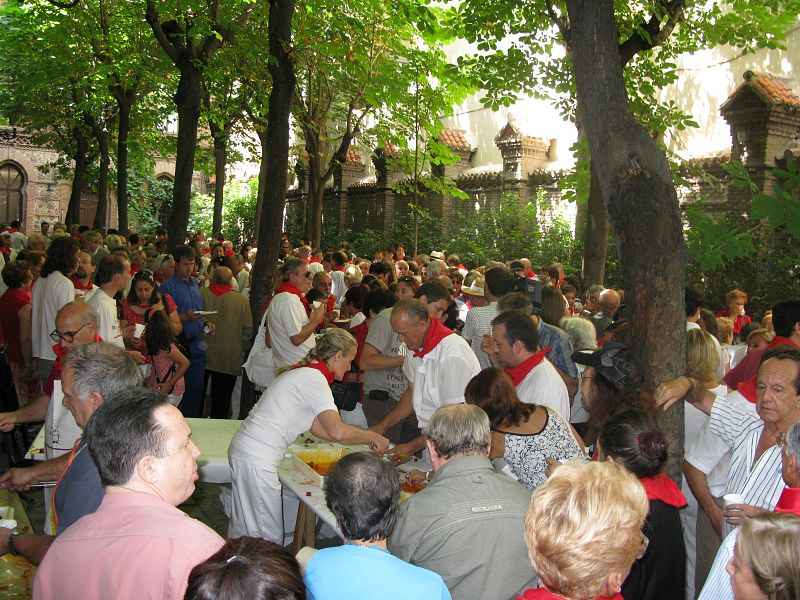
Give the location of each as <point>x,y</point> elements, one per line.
<point>92,242</point>
<point>608,303</point>
<point>291,322</point>
<point>718,584</point>
<point>479,319</point>
<point>516,349</point>
<point>755,470</point>
<point>323,284</point>
<point>438,364</point>
<point>113,276</point>
<point>362,492</point>
<point>78,492</point>
<point>235,262</point>
<point>226,348</point>
<point>53,290</point>
<point>137,544</point>
<point>185,291</point>
<point>468,524</point>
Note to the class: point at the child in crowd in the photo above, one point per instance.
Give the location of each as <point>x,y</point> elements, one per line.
<point>168,363</point>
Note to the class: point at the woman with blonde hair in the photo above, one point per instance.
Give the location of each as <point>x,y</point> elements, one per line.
<point>584,531</point>
<point>766,558</point>
<point>298,400</point>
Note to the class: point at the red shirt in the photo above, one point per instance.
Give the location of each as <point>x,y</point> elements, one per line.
<point>11,302</point>
<point>545,594</point>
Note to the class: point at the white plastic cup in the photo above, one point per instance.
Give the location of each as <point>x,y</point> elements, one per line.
<point>732,499</point>
<point>138,330</point>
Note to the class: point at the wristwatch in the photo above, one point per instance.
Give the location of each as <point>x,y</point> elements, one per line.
<point>10,543</point>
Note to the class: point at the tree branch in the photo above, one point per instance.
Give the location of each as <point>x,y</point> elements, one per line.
<point>658,33</point>
<point>560,23</point>
<point>152,18</point>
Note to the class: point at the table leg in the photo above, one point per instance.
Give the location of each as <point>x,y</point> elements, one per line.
<point>305,529</point>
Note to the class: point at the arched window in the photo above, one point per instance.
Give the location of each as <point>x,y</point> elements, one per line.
<point>11,184</point>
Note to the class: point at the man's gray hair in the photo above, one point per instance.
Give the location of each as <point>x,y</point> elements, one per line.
<point>103,368</point>
<point>291,266</point>
<point>436,268</point>
<point>515,301</point>
<point>793,440</point>
<point>411,309</point>
<point>459,429</point>
<point>222,275</point>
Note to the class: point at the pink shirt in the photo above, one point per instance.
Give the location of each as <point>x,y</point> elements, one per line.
<point>136,546</point>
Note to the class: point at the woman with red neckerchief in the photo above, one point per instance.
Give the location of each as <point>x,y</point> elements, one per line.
<point>632,440</point>
<point>584,530</point>
<point>298,400</point>
<point>142,298</point>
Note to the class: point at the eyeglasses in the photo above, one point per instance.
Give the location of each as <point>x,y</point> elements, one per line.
<point>67,336</point>
<point>165,259</point>
<point>143,274</point>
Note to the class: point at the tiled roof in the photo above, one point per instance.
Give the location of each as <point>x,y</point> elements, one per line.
<point>769,89</point>
<point>454,139</point>
<point>353,157</point>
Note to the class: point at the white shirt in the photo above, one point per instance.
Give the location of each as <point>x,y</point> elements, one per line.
<point>440,377</point>
<point>544,386</point>
<point>762,482</point>
<point>108,320</point>
<point>477,324</point>
<point>50,294</point>
<point>286,409</point>
<point>60,428</point>
<point>286,316</point>
<point>718,583</point>
<point>338,288</point>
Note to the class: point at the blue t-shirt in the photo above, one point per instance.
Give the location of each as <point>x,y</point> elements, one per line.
<point>79,492</point>
<point>351,571</point>
<point>186,295</point>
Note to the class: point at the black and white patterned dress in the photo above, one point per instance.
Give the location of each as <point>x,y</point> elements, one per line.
<point>528,453</point>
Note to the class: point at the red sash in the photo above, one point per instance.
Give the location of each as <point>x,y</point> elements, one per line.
<point>435,334</point>
<point>520,372</point>
<point>287,287</point>
<point>79,285</point>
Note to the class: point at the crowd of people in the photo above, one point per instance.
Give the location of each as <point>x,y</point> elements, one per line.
<point>520,391</point>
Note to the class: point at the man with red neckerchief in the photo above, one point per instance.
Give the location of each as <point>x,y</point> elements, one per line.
<point>438,364</point>
<point>516,349</point>
<point>290,320</point>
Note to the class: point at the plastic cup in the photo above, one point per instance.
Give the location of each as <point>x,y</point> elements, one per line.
<point>732,499</point>
<point>138,330</point>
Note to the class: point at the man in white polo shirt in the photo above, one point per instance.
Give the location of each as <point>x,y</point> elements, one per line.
<point>516,348</point>
<point>291,322</point>
<point>438,364</point>
<point>113,275</point>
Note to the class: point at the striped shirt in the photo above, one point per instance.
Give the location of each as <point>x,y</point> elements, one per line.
<point>761,483</point>
<point>718,583</point>
<point>561,347</point>
<point>477,324</point>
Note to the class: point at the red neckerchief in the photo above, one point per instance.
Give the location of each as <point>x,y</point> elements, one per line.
<point>320,366</point>
<point>230,252</point>
<point>79,285</point>
<point>663,488</point>
<point>341,268</point>
<point>61,352</point>
<point>158,278</point>
<point>435,334</point>
<point>287,287</point>
<point>789,501</point>
<point>6,251</point>
<point>220,289</point>
<point>12,230</point>
<point>545,594</point>
<point>330,303</point>
<point>521,371</point>
<point>313,259</point>
<point>135,269</point>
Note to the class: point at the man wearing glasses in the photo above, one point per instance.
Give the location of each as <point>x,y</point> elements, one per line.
<point>291,321</point>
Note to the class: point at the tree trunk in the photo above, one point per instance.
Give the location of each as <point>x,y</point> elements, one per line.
<point>220,161</point>
<point>78,178</point>
<point>636,183</point>
<point>101,215</point>
<point>187,100</point>
<point>595,235</point>
<point>125,99</point>
<point>316,187</point>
